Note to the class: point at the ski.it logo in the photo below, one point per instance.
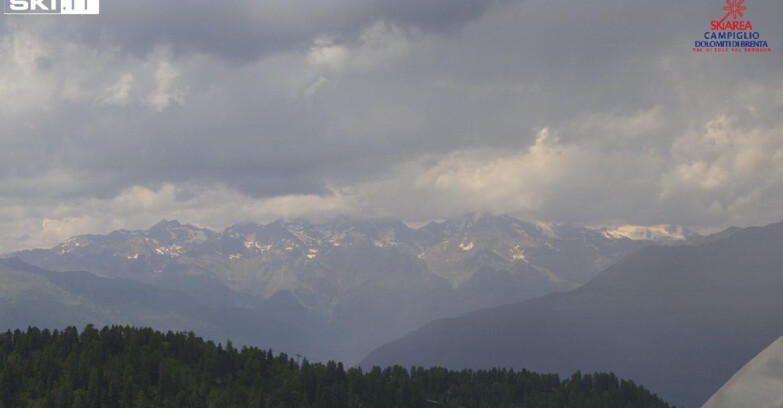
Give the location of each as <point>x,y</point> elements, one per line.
<point>51,6</point>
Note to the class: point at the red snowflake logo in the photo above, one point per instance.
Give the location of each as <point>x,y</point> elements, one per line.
<point>734,9</point>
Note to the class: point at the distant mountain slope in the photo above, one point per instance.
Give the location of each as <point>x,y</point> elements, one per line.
<point>351,283</point>
<point>679,319</point>
<point>759,384</point>
<point>30,296</point>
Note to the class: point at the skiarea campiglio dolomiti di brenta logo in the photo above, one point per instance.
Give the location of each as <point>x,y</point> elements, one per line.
<point>733,33</point>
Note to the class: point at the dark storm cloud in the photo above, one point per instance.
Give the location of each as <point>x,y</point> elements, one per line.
<point>564,110</point>
<point>243,30</point>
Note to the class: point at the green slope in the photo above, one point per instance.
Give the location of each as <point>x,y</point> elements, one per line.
<point>125,367</point>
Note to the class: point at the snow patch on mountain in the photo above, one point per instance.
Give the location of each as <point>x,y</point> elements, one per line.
<point>467,247</point>
<point>518,254</point>
<point>301,233</point>
<point>655,233</point>
<point>72,244</point>
<point>173,251</point>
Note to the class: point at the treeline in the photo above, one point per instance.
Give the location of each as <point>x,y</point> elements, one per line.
<point>124,367</point>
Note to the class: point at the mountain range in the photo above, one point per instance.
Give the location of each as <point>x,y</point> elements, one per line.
<point>679,319</point>
<point>354,284</point>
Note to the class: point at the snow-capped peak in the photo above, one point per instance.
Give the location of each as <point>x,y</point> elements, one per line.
<point>656,233</point>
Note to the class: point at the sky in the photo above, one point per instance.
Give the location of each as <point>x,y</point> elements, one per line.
<point>213,113</point>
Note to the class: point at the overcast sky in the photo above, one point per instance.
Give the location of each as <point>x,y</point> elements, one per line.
<point>214,113</point>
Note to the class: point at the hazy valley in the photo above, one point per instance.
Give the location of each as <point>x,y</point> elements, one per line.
<point>340,288</point>
<point>679,319</point>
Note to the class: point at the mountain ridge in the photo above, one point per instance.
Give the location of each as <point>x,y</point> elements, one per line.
<point>366,280</point>
<point>170,238</point>
<point>681,319</point>
<point>32,296</point>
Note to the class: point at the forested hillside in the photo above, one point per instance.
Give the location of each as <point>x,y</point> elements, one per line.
<point>129,367</point>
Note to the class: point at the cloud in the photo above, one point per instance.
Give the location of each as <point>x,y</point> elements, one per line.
<point>244,30</point>
<point>549,109</point>
<point>166,91</point>
<point>118,93</point>
<point>215,206</point>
